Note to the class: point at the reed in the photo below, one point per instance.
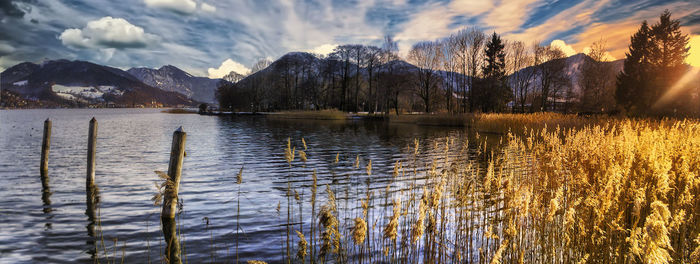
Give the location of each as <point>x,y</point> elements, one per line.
<point>565,190</point>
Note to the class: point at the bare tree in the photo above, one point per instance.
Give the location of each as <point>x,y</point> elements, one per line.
<point>476,40</point>
<point>426,56</point>
<point>344,53</point>
<point>449,64</point>
<point>597,80</point>
<point>358,51</point>
<point>389,76</point>
<point>551,68</point>
<point>372,61</point>
<point>258,84</point>
<point>521,76</point>
<point>469,52</point>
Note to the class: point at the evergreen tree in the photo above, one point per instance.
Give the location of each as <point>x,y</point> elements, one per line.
<point>495,92</point>
<point>653,64</point>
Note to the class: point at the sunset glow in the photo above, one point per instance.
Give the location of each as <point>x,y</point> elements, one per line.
<point>694,57</point>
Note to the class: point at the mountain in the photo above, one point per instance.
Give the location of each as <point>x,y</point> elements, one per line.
<point>572,69</point>
<point>70,82</point>
<point>233,77</point>
<point>173,79</point>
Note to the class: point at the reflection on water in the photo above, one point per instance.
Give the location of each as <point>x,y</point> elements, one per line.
<point>92,200</point>
<point>134,143</point>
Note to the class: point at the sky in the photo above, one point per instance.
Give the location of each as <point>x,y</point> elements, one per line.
<point>213,37</point>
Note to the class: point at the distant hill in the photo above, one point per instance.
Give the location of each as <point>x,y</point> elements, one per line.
<point>80,82</point>
<point>173,79</point>
<point>573,68</point>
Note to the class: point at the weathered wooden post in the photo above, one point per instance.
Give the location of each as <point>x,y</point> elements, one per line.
<point>45,145</point>
<point>92,142</point>
<point>91,191</point>
<point>170,200</point>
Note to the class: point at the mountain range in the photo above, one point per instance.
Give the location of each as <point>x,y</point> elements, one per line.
<point>82,83</point>
<point>79,82</point>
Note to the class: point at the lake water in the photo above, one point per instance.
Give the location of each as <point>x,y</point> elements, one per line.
<point>133,143</point>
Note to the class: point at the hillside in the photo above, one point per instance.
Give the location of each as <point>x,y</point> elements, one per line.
<point>172,79</point>
<point>83,83</point>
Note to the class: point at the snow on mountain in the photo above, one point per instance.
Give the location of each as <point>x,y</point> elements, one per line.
<point>62,81</point>
<point>173,79</point>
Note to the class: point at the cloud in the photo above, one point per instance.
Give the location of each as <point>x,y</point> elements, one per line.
<point>589,17</point>
<point>208,8</point>
<point>430,24</point>
<point>567,49</point>
<point>571,51</point>
<point>14,8</point>
<point>6,62</point>
<point>438,20</point>
<point>182,7</point>
<point>615,35</point>
<point>324,49</point>
<point>227,67</point>
<point>6,49</point>
<point>185,7</point>
<point>107,32</point>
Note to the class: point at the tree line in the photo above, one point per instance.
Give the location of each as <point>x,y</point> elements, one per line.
<point>468,71</point>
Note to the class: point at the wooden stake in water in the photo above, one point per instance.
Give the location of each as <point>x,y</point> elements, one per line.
<point>170,200</point>
<point>92,142</point>
<point>45,145</point>
<point>90,187</point>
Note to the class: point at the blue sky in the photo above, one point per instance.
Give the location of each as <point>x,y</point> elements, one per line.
<point>212,37</point>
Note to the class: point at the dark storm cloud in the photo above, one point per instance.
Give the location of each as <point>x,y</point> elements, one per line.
<point>12,8</point>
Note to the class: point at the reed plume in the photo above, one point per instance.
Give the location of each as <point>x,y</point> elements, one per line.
<point>302,250</point>
<point>359,231</point>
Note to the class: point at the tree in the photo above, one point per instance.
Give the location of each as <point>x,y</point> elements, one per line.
<point>475,39</point>
<point>469,45</point>
<point>494,90</point>
<point>634,80</point>
<point>358,50</point>
<point>449,64</point>
<point>343,53</point>
<point>426,56</point>
<point>372,60</point>
<point>522,76</point>
<point>654,62</point>
<point>551,67</point>
<point>389,77</point>
<point>597,80</point>
<point>258,84</point>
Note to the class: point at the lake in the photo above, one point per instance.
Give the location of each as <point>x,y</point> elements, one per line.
<point>133,143</point>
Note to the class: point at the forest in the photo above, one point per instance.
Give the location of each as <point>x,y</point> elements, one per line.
<point>472,71</point>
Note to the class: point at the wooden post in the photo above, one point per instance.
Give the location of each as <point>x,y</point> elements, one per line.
<point>45,145</point>
<point>91,194</point>
<point>170,200</point>
<point>92,142</point>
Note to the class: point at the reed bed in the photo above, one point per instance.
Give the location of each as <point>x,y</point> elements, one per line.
<point>562,190</point>
<point>456,120</point>
<point>521,123</point>
<point>609,191</point>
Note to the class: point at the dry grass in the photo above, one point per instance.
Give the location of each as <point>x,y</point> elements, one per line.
<point>521,123</point>
<point>459,120</point>
<point>558,189</point>
<point>570,189</point>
